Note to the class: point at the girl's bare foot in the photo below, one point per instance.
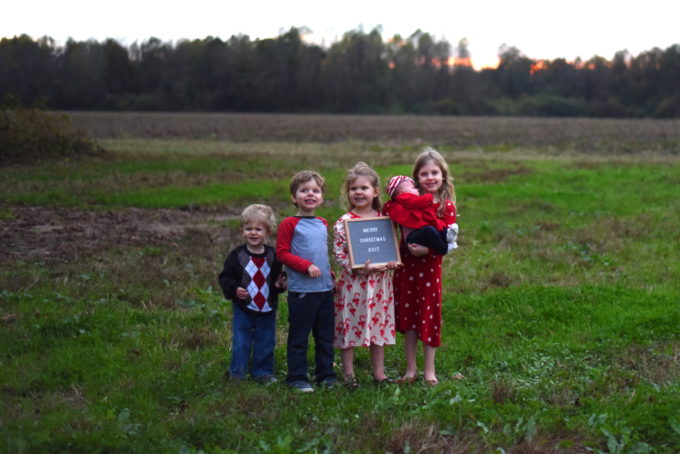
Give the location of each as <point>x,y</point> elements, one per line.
<point>406,380</point>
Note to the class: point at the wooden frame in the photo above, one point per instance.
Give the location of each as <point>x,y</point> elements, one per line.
<point>373,238</point>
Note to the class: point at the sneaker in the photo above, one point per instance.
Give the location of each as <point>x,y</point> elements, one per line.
<point>452,233</point>
<point>266,380</point>
<point>301,387</point>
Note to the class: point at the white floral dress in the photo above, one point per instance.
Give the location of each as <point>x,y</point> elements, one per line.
<point>364,305</point>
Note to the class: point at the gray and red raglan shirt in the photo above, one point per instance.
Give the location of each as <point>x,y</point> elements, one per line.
<point>302,241</point>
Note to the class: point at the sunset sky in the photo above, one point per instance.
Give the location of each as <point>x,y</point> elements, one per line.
<point>540,29</point>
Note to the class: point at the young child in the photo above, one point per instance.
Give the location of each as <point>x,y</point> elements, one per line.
<point>417,216</point>
<point>364,310</point>
<point>302,245</point>
<point>252,279</point>
<point>418,284</point>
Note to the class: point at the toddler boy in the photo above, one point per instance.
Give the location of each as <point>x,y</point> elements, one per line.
<point>252,279</point>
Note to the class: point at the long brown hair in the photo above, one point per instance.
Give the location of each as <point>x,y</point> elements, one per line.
<point>447,190</point>
<point>361,169</point>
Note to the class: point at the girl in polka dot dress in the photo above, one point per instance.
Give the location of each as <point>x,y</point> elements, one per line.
<point>418,285</point>
<point>364,306</point>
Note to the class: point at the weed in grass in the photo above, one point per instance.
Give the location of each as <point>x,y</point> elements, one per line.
<point>414,437</point>
<point>502,390</point>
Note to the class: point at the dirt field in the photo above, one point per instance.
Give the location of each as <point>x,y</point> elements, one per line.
<point>581,134</point>
<point>41,234</point>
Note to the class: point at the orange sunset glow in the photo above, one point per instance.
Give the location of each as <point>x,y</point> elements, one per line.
<point>539,65</point>
<point>457,61</point>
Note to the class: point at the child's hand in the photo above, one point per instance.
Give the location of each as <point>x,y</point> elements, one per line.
<point>313,271</point>
<point>370,268</point>
<point>393,265</point>
<point>417,250</point>
<point>241,293</point>
<point>281,282</point>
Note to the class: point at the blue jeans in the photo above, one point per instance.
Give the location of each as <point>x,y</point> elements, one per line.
<point>256,333</point>
<point>310,312</point>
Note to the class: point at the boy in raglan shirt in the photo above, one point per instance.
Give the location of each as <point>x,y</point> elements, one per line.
<point>301,246</point>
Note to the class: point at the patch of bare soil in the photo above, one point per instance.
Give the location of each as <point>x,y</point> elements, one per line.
<point>40,234</point>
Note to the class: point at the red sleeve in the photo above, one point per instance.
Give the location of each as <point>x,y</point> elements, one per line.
<point>284,237</point>
<point>417,202</point>
<point>408,217</point>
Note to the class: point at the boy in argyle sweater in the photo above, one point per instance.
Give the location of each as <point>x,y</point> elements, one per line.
<point>252,278</point>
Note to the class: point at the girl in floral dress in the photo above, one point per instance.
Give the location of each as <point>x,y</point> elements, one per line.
<point>418,285</point>
<point>364,306</point>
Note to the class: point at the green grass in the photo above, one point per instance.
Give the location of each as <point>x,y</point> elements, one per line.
<point>560,308</point>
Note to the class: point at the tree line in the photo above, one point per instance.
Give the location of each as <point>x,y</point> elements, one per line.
<point>361,73</point>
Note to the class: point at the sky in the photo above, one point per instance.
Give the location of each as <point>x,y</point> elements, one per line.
<point>540,29</point>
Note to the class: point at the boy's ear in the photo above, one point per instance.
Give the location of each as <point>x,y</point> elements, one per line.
<point>292,198</point>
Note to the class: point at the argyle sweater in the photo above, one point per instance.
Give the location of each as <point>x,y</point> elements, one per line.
<point>256,273</point>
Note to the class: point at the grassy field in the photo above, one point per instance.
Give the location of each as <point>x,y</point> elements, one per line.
<point>561,306</point>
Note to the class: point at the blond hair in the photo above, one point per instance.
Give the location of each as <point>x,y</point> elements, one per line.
<point>361,169</point>
<point>259,213</point>
<point>447,190</point>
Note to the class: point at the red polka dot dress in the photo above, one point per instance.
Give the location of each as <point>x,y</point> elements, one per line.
<point>418,291</point>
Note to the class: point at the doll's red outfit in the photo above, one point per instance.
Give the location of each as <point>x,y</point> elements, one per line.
<point>415,211</point>
<point>418,288</point>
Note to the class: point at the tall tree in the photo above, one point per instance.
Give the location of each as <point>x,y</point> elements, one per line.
<point>514,72</point>
<point>82,83</point>
<point>355,73</point>
<point>27,68</point>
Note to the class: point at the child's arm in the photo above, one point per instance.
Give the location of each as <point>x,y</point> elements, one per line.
<point>450,219</point>
<point>283,239</point>
<point>418,250</point>
<point>417,202</point>
<point>278,277</point>
<point>404,216</point>
<point>340,245</point>
<point>230,277</point>
<point>450,214</point>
